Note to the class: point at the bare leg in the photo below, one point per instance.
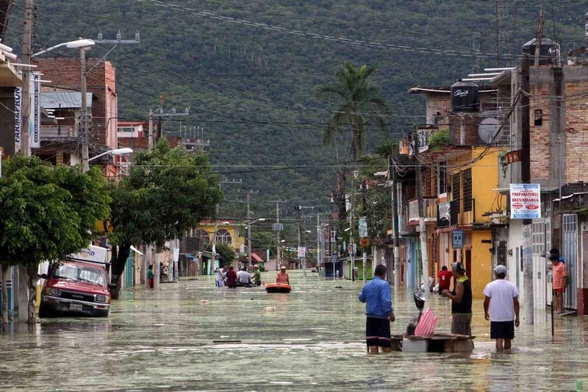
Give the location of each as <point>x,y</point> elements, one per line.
<point>387,349</point>
<point>499,345</point>
<point>507,344</point>
<point>372,349</point>
<point>559,302</point>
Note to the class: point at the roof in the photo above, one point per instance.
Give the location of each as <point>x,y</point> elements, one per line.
<point>64,100</point>
<point>443,90</point>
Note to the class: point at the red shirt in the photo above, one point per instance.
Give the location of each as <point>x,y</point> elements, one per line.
<point>444,279</point>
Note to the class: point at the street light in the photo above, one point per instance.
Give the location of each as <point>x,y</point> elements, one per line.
<point>249,238</point>
<point>80,43</point>
<point>116,151</point>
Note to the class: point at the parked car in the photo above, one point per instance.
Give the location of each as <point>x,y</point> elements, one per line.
<point>75,287</point>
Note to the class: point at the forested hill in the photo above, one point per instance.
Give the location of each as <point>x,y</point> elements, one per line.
<point>249,70</point>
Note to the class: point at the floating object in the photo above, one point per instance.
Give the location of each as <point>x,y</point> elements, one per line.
<point>278,288</point>
<point>203,301</point>
<point>436,343</point>
<point>270,309</point>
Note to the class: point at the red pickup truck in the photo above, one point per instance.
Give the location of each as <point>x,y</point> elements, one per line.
<point>75,287</point>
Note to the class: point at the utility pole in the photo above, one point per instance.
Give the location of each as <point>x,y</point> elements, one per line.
<point>84,114</point>
<point>422,227</point>
<point>85,118</point>
<point>302,260</point>
<point>150,134</point>
<point>160,113</point>
<point>26,80</point>
<point>278,227</point>
<point>526,179</point>
<point>396,249</point>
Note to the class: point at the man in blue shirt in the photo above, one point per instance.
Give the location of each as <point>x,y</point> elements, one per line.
<point>377,296</point>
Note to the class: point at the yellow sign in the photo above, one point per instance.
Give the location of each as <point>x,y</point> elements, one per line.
<point>365,242</point>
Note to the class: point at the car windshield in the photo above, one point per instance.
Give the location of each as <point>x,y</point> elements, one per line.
<point>79,274</point>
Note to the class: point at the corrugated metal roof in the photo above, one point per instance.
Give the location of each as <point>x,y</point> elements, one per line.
<point>64,100</point>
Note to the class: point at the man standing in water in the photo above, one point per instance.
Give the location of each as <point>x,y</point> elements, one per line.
<point>461,305</point>
<point>502,299</point>
<point>559,282</point>
<point>377,296</point>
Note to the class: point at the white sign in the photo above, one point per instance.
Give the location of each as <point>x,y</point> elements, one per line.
<point>362,225</point>
<point>35,118</point>
<point>93,253</point>
<point>525,201</point>
<point>17,119</point>
<point>301,252</point>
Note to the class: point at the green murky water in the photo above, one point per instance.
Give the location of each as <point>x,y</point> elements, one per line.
<point>191,336</point>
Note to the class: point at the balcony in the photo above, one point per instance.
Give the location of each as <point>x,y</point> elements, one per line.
<point>430,206</point>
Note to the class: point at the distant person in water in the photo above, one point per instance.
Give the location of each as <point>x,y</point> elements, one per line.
<point>282,277</point>
<point>256,276</point>
<point>231,277</point>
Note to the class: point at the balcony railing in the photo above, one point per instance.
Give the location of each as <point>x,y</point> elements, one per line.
<point>430,206</point>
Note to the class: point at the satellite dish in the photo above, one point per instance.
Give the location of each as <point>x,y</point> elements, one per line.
<point>487,129</point>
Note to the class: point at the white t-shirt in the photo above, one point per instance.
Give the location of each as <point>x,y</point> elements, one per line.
<point>501,293</point>
<point>243,277</point>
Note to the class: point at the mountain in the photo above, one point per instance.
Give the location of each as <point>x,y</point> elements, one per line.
<point>248,71</point>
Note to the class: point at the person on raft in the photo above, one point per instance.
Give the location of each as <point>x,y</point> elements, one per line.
<point>282,277</point>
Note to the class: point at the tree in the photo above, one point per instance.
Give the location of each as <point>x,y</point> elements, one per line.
<point>226,254</point>
<point>48,212</point>
<point>359,103</point>
<point>167,192</point>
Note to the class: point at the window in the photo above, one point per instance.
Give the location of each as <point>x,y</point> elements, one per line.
<point>467,190</point>
<point>223,237</point>
<point>456,187</point>
<point>203,235</point>
<point>442,178</point>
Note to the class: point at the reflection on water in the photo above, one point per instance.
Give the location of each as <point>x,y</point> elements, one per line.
<point>193,336</point>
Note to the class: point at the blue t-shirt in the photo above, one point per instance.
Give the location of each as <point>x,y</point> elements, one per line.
<point>377,296</point>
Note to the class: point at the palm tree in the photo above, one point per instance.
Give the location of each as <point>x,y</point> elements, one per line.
<point>359,104</point>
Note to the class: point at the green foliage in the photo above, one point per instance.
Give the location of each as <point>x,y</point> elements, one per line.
<point>226,254</point>
<point>439,140</point>
<point>359,104</point>
<point>167,193</point>
<point>47,212</point>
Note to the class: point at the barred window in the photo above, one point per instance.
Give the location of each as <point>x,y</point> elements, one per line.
<point>467,190</point>
<point>455,187</point>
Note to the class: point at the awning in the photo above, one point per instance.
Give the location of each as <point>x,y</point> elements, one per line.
<point>256,258</point>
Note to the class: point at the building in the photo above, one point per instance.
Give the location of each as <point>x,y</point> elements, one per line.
<point>456,155</point>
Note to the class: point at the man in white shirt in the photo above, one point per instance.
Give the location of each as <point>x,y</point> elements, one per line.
<point>502,300</point>
<point>243,278</point>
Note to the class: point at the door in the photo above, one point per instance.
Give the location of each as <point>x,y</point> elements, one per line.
<point>570,255</point>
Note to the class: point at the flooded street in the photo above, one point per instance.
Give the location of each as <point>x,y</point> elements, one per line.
<point>192,336</point>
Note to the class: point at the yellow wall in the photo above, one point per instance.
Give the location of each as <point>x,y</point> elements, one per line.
<point>484,181</point>
<point>236,241</point>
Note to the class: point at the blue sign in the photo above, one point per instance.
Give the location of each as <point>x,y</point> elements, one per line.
<point>457,239</point>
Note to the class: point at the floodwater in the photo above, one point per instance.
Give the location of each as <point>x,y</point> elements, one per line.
<point>191,336</point>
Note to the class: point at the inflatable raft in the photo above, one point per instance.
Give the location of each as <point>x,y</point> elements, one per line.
<point>278,288</point>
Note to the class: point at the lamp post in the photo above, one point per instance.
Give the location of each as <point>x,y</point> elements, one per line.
<point>355,174</point>
<point>249,238</point>
<point>83,45</point>
<point>116,151</point>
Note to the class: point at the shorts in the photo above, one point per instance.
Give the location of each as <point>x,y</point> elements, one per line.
<point>461,324</point>
<point>377,332</point>
<point>502,329</point>
<point>558,291</point>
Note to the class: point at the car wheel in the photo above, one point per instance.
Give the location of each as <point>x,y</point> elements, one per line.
<point>103,313</point>
<point>44,311</point>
